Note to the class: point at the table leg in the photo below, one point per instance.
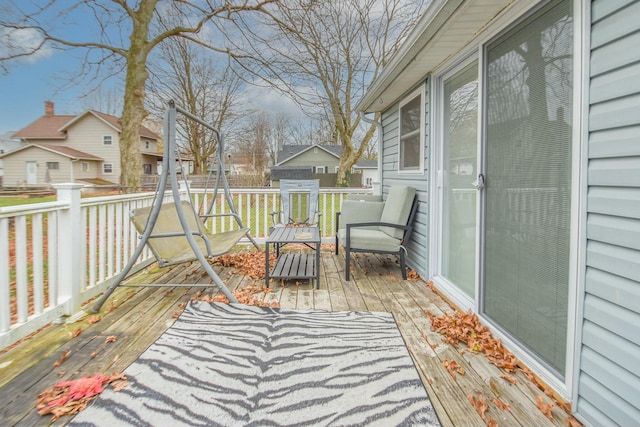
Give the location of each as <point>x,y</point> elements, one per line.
<point>266,265</point>
<point>317,266</point>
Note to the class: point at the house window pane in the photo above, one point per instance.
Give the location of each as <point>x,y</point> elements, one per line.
<point>146,169</point>
<point>107,168</point>
<point>459,152</point>
<point>85,166</point>
<point>106,140</point>
<point>529,102</point>
<point>53,165</point>
<point>411,134</point>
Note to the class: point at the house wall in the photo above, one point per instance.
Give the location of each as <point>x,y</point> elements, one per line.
<point>309,158</point>
<point>94,169</point>
<point>15,167</point>
<point>87,135</point>
<point>417,249</point>
<point>609,375</point>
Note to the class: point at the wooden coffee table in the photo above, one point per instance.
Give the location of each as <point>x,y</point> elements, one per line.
<point>294,266</point>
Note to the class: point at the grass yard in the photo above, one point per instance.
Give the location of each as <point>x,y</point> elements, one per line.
<point>15,201</point>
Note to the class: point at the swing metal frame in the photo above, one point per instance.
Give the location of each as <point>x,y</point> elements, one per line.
<point>202,243</point>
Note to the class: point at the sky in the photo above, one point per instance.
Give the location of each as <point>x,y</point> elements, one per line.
<point>29,82</point>
<point>26,87</point>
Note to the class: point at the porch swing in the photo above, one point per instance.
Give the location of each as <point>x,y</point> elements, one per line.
<point>175,231</point>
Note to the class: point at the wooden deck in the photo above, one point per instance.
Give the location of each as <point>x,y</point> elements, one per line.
<point>137,316</point>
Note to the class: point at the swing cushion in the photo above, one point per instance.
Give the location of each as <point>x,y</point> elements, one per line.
<point>176,249</point>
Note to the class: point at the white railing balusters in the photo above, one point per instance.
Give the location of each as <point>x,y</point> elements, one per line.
<point>5,292</point>
<point>87,241</point>
<point>37,264</point>
<point>21,268</point>
<point>52,257</point>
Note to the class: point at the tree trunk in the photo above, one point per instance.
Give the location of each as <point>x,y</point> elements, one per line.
<point>133,111</point>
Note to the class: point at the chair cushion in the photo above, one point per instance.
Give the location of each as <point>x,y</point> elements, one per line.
<point>369,240</point>
<point>397,208</point>
<point>356,211</point>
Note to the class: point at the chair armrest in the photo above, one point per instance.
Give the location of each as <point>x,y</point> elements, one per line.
<point>377,224</point>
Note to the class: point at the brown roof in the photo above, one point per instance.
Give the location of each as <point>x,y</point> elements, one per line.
<point>115,122</point>
<point>46,127</point>
<point>53,126</point>
<point>69,152</point>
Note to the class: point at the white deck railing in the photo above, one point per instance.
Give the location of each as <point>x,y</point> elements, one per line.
<point>56,256</point>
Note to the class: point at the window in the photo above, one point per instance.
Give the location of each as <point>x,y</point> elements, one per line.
<point>146,169</point>
<point>107,168</point>
<point>53,165</point>
<point>411,125</point>
<point>320,169</point>
<point>85,166</point>
<point>106,140</point>
<point>146,145</point>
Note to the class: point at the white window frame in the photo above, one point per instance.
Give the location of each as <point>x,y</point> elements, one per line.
<point>53,166</point>
<point>107,140</point>
<point>419,170</point>
<point>104,168</point>
<point>319,169</point>
<point>85,166</point>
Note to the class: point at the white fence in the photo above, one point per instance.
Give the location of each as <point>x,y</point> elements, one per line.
<point>56,256</point>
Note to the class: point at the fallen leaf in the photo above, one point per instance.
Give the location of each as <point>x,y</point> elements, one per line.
<point>71,397</point>
<point>62,359</point>
<point>110,338</point>
<point>545,408</point>
<point>509,378</point>
<point>93,319</point>
<point>572,422</point>
<point>452,367</point>
<point>479,405</point>
<point>492,423</point>
<point>76,333</point>
<point>502,405</point>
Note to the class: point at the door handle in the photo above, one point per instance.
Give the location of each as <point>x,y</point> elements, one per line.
<point>479,182</point>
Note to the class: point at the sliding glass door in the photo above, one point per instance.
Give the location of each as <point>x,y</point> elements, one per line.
<point>510,239</point>
<point>528,180</point>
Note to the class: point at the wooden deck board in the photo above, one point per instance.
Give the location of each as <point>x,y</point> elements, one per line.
<point>143,314</point>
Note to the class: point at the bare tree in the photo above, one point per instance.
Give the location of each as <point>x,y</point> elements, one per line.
<point>209,90</point>
<point>323,54</point>
<point>104,100</point>
<point>125,33</point>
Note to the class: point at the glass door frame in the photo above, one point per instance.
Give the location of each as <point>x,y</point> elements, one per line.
<point>459,298</point>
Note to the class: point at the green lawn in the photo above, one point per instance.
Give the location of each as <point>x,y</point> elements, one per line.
<point>15,201</point>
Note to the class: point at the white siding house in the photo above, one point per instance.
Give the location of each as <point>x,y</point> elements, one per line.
<point>59,148</point>
<point>526,160</point>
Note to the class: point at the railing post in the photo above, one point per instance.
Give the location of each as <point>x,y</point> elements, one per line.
<point>70,239</point>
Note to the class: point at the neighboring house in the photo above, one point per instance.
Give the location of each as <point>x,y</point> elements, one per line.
<point>299,161</point>
<point>518,121</point>
<point>7,143</point>
<point>63,148</point>
<point>369,171</point>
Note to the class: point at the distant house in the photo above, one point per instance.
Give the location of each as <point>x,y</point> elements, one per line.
<point>305,161</point>
<point>518,123</point>
<point>66,148</point>
<point>7,143</point>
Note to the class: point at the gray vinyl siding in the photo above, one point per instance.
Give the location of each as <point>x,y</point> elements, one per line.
<point>417,249</point>
<point>609,375</point>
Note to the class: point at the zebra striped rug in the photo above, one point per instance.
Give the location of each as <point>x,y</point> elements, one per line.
<point>237,365</point>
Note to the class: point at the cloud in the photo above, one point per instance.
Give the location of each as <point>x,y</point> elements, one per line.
<point>23,44</point>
